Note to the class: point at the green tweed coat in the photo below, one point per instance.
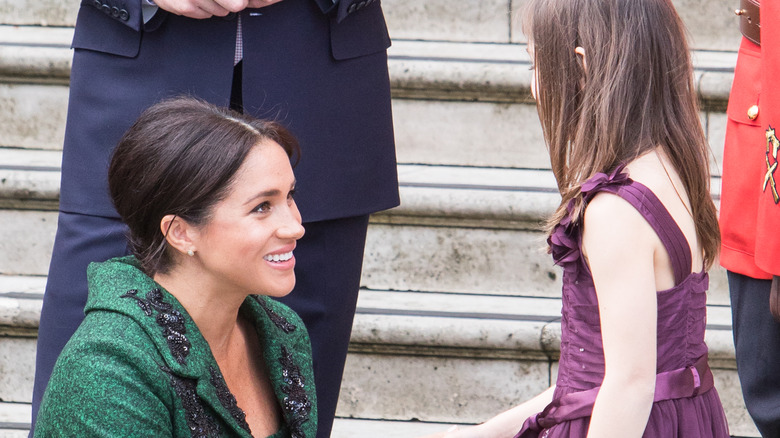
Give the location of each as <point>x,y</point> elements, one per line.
<point>138,367</point>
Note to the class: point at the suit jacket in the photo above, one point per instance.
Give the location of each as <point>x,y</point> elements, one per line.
<point>138,366</point>
<point>750,199</point>
<point>319,68</point>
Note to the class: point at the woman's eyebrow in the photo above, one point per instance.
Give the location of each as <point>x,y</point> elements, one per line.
<point>265,194</point>
<point>269,193</point>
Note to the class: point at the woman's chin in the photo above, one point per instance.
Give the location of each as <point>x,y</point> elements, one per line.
<point>278,292</point>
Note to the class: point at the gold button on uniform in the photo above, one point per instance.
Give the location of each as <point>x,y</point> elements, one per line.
<point>752,112</point>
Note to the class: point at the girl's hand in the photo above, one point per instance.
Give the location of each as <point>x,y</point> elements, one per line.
<point>478,431</point>
<point>449,433</point>
<point>455,432</point>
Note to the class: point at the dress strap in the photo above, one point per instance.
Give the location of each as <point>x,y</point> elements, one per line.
<point>651,208</point>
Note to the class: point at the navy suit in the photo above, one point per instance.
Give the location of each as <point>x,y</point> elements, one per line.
<point>319,68</point>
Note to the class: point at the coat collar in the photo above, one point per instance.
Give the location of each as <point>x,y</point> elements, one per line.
<point>119,285</point>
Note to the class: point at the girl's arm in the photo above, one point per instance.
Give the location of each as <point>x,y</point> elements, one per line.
<point>620,246</point>
<point>505,424</point>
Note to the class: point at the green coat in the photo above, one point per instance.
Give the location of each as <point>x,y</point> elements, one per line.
<point>139,367</point>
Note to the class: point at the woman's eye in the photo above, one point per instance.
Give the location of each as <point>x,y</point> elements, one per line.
<point>263,208</point>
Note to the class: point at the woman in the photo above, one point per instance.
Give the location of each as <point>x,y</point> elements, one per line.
<point>181,338</point>
<point>636,229</point>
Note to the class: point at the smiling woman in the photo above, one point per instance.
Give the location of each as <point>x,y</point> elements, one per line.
<point>247,243</point>
<point>180,338</point>
<point>182,157</point>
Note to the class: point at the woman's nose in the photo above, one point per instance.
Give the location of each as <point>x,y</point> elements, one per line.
<point>291,227</point>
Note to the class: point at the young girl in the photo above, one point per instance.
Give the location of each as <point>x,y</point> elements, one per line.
<point>636,229</point>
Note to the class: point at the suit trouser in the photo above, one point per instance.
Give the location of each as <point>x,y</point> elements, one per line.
<point>757,343</point>
<point>328,266</point>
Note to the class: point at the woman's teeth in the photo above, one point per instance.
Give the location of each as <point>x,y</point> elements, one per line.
<point>279,257</point>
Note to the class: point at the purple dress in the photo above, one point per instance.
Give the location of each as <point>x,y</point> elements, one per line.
<point>686,404</point>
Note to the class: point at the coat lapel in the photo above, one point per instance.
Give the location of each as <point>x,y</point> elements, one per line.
<point>288,366</point>
<point>193,370</point>
<point>186,356</point>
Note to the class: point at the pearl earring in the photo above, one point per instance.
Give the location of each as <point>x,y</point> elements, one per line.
<point>190,253</point>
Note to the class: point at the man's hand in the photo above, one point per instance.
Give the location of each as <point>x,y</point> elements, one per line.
<point>261,3</point>
<point>209,8</point>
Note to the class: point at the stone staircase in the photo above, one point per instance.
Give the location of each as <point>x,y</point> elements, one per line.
<point>458,318</point>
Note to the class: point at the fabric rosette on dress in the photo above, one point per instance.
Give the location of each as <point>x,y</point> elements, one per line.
<point>565,238</point>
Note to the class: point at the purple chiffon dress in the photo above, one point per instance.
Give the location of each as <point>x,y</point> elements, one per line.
<point>686,404</point>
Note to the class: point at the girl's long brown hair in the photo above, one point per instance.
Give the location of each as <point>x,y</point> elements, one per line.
<point>636,94</point>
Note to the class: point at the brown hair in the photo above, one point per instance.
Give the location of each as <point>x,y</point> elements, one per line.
<point>180,157</point>
<point>636,94</point>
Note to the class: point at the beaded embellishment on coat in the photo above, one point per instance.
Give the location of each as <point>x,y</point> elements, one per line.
<point>227,399</point>
<point>278,320</point>
<point>296,403</point>
<point>200,423</point>
<point>170,319</point>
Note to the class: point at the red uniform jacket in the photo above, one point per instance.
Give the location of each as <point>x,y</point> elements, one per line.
<point>750,200</point>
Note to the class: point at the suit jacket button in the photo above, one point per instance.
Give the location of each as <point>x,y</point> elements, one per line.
<point>98,4</point>
<point>752,112</point>
<point>106,9</point>
<point>124,15</point>
<point>115,12</point>
<point>361,5</point>
<point>351,8</point>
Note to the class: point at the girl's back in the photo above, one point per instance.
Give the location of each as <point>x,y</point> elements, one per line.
<point>657,291</point>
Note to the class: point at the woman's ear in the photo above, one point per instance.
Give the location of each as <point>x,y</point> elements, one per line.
<point>178,233</point>
<point>581,53</point>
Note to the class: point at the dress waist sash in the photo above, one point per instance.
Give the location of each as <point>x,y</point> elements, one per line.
<point>669,385</point>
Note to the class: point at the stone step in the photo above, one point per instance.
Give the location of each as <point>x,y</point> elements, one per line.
<point>360,428</point>
<point>34,74</point>
<point>473,230</point>
<point>434,357</point>
<point>14,420</point>
<point>459,104</point>
<point>38,13</point>
<point>29,195</point>
<point>458,229</point>
<point>20,311</point>
<point>712,23</point>
<point>470,104</point>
